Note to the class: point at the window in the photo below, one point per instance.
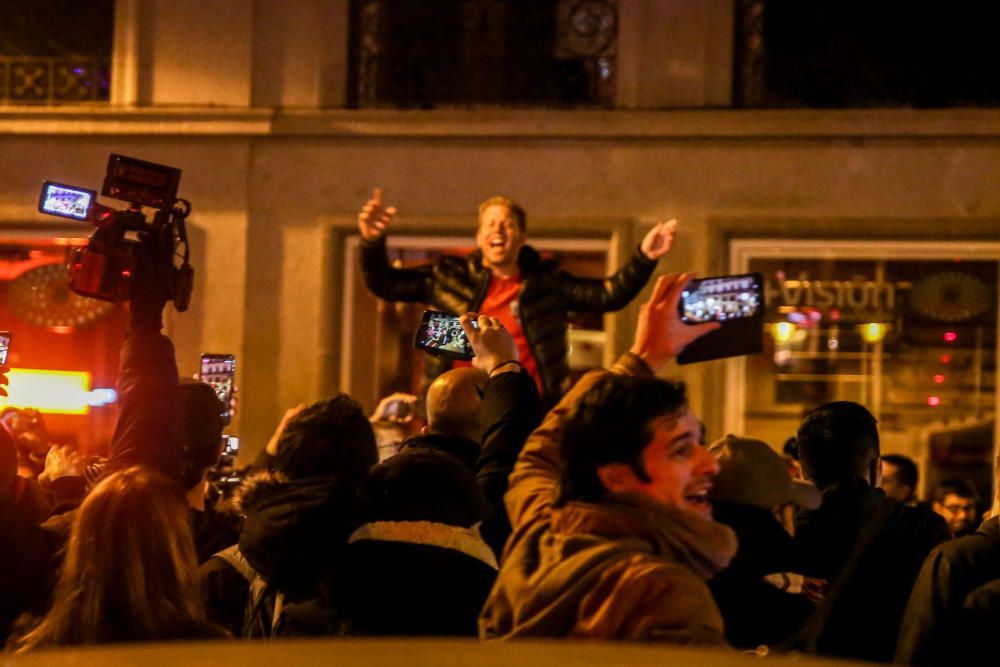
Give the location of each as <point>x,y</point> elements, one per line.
<point>447,53</point>
<point>55,51</point>
<point>852,53</point>
<point>912,336</point>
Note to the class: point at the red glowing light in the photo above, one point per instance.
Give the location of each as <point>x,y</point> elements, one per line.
<point>945,358</point>
<point>938,379</point>
<point>933,401</point>
<point>950,336</point>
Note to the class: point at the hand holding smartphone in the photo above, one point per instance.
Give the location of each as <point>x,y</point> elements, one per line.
<point>441,334</point>
<point>4,346</point>
<point>219,372</point>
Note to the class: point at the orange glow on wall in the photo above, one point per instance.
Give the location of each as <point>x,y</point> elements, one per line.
<point>53,392</point>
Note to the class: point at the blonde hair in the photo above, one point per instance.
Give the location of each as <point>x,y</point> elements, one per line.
<point>515,209</point>
<point>130,570</point>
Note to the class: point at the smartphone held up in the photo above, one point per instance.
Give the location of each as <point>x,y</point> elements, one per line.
<point>4,347</point>
<point>219,372</point>
<point>441,334</point>
<point>737,302</point>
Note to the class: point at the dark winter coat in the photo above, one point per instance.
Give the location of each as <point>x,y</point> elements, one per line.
<point>414,578</point>
<point>870,549</point>
<point>458,285</point>
<point>937,627</point>
<point>756,612</point>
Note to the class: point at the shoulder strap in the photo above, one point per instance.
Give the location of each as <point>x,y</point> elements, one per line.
<point>233,556</point>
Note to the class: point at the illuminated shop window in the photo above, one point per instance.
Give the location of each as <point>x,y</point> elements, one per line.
<point>913,340</point>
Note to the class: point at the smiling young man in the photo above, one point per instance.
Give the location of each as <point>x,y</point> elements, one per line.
<point>613,533</point>
<point>507,279</point>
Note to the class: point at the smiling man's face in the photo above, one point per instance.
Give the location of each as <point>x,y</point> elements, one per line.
<point>679,469</point>
<point>499,237</point>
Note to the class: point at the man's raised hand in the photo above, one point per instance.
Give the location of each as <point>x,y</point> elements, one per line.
<point>374,218</point>
<point>660,334</point>
<point>658,240</point>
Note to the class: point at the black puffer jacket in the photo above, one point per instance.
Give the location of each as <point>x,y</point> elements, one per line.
<point>458,285</point>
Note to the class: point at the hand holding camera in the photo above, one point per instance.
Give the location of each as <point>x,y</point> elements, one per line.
<point>104,268</point>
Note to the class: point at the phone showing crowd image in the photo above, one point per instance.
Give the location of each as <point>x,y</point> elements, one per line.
<point>219,372</point>
<point>66,201</point>
<point>442,335</point>
<point>4,346</point>
<point>721,299</point>
<point>737,302</point>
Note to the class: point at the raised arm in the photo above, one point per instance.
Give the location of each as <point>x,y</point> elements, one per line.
<point>382,279</point>
<point>659,337</point>
<point>618,290</point>
<point>148,430</point>
<point>511,409</point>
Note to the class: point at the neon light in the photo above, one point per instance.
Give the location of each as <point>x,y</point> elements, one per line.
<point>53,392</point>
<point>938,379</point>
<point>933,401</point>
<point>950,336</point>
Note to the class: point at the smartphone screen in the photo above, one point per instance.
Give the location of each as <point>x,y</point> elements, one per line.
<point>399,409</point>
<point>232,446</point>
<point>66,201</point>
<point>4,346</point>
<point>219,371</point>
<point>721,299</point>
<point>442,335</point>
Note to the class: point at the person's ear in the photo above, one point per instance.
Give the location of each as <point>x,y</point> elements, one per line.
<point>617,477</point>
<point>423,430</point>
<point>875,472</point>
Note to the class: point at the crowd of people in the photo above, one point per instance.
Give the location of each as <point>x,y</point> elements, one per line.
<point>606,517</point>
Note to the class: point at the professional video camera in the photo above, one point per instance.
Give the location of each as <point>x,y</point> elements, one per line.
<point>103,268</point>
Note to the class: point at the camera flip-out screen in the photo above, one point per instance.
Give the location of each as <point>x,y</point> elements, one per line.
<point>66,201</point>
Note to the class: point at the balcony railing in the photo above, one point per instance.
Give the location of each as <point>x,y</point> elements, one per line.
<point>54,80</point>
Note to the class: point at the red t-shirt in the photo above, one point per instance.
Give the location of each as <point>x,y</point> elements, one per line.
<point>501,303</point>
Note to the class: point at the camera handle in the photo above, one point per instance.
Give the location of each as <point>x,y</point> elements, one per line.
<point>183,282</point>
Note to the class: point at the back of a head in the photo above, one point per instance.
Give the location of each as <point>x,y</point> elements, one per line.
<point>330,437</point>
<point>463,449</point>
<point>421,485</point>
<point>838,442</point>
<point>611,424</point>
<point>130,570</point>
<point>453,402</point>
<point>906,469</point>
<point>201,421</point>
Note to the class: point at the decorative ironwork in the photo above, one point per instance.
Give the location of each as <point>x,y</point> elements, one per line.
<point>54,80</point>
<point>42,297</point>
<point>750,83</point>
<point>853,53</point>
<point>483,52</point>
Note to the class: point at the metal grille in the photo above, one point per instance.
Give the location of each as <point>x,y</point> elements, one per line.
<point>858,53</point>
<point>53,80</point>
<point>548,53</point>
